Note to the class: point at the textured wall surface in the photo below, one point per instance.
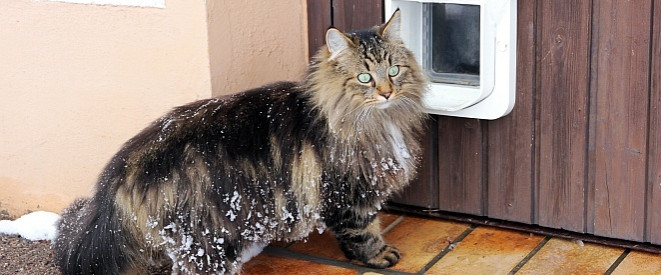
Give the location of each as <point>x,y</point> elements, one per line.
<point>252,43</point>
<point>78,80</point>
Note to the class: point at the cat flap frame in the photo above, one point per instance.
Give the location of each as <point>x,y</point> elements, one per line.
<point>494,96</point>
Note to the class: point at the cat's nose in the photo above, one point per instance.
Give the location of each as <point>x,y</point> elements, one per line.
<point>386,94</point>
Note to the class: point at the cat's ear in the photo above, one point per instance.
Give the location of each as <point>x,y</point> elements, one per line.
<point>391,29</point>
<point>336,42</point>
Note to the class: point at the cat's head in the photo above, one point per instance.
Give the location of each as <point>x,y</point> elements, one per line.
<point>367,71</point>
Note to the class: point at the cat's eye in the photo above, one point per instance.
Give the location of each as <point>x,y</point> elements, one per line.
<point>393,71</point>
<point>364,78</point>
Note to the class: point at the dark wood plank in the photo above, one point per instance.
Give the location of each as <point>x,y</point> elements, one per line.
<point>590,189</point>
<point>563,72</point>
<point>624,46</point>
<point>423,191</point>
<point>510,140</point>
<point>461,165</point>
<point>654,150</point>
<point>319,20</point>
<point>537,114</point>
<point>351,15</point>
<point>622,36</point>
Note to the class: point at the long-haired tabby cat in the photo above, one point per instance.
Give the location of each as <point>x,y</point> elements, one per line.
<point>208,185</point>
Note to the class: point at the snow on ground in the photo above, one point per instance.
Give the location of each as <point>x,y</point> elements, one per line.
<point>39,225</point>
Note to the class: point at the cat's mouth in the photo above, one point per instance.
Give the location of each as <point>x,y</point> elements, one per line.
<point>383,105</point>
<point>383,102</point>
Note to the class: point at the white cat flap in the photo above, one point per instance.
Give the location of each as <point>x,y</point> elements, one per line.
<point>468,50</point>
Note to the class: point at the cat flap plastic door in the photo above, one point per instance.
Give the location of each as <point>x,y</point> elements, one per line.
<point>468,50</point>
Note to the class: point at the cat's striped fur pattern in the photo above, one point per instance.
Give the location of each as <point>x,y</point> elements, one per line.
<point>209,184</point>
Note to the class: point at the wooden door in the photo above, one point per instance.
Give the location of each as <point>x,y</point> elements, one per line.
<point>581,150</point>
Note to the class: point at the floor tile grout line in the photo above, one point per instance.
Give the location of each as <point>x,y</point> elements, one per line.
<point>618,261</point>
<point>447,249</point>
<point>393,224</point>
<point>281,251</point>
<point>531,254</point>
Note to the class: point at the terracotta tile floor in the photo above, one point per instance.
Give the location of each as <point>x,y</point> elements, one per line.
<point>435,246</point>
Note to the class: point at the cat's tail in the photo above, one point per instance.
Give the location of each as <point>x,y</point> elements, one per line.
<point>90,239</point>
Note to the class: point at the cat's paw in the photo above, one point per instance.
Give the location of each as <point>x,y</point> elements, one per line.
<point>387,257</point>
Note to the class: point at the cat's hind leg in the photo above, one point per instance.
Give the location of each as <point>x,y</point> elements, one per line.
<point>360,239</point>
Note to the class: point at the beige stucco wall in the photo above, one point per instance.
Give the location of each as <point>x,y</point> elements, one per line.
<point>254,42</point>
<point>78,80</point>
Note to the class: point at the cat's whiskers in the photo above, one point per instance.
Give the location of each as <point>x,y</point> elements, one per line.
<point>411,103</point>
<point>353,110</point>
<point>365,111</point>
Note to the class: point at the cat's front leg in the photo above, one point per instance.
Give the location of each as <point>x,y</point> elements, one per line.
<point>360,239</point>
